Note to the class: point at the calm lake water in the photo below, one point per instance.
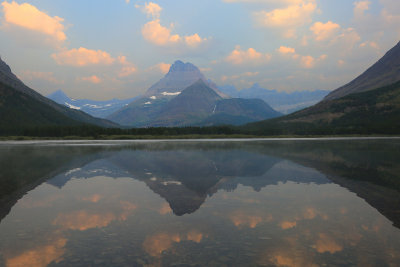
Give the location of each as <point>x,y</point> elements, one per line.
<point>225,203</point>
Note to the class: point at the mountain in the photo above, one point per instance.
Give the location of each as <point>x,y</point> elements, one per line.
<point>372,112</point>
<point>238,111</point>
<point>197,105</point>
<point>168,103</point>
<point>180,76</point>
<point>362,109</point>
<point>19,110</point>
<point>98,109</point>
<point>22,106</point>
<point>281,101</point>
<point>384,72</point>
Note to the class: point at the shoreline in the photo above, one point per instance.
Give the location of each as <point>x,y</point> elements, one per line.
<point>143,139</point>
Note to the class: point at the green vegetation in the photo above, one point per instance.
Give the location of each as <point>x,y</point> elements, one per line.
<point>375,112</point>
<point>372,112</point>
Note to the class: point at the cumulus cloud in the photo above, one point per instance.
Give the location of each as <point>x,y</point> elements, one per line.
<point>287,19</point>
<point>83,57</point>
<point>150,9</point>
<point>163,67</point>
<point>370,44</point>
<point>249,56</point>
<point>127,69</point>
<point>92,79</point>
<point>160,35</point>
<point>309,62</point>
<point>323,31</point>
<point>29,17</point>
<point>157,34</point>
<point>286,50</point>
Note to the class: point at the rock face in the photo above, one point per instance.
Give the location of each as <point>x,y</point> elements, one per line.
<point>384,72</point>
<point>180,76</point>
<point>185,98</point>
<point>23,95</point>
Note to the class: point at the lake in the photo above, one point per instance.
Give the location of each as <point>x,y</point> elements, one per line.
<point>317,202</point>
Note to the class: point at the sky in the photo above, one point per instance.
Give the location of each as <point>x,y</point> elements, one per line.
<point>103,49</point>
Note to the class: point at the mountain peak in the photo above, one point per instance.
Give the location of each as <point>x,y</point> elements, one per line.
<point>4,67</point>
<point>59,96</point>
<point>179,66</point>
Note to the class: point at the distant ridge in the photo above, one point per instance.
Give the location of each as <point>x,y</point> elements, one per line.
<point>283,102</point>
<point>97,109</point>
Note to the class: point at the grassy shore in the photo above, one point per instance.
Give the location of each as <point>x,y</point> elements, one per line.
<point>167,137</point>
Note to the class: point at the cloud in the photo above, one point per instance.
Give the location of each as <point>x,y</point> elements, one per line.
<point>249,56</point>
<point>127,69</point>
<point>29,17</point>
<point>37,75</point>
<point>156,69</point>
<point>360,7</point>
<point>160,35</point>
<point>193,40</point>
<point>83,57</point>
<point>391,14</point>
<point>287,224</point>
<point>150,9</point>
<point>286,50</point>
<point>326,243</point>
<point>370,44</point>
<point>287,19</point>
<point>162,67</point>
<point>92,79</point>
<point>157,34</point>
<point>156,244</point>
<point>40,255</point>
<point>309,62</point>
<point>241,219</point>
<point>323,31</point>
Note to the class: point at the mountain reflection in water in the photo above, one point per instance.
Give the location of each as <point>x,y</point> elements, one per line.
<point>292,203</point>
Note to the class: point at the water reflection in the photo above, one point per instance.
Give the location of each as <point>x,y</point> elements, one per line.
<point>202,204</point>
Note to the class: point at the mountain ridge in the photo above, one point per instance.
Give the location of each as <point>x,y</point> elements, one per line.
<point>280,101</point>
<point>8,78</point>
<point>97,109</point>
<point>384,72</point>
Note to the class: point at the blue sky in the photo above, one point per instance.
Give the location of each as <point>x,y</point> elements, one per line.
<point>102,49</point>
